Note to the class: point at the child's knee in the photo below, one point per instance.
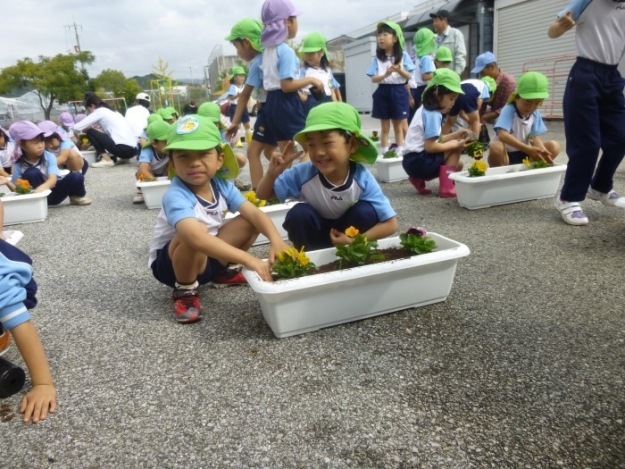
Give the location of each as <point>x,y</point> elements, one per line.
<point>497,155</point>
<point>241,159</point>
<point>553,147</point>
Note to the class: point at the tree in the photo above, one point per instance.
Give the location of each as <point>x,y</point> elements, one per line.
<point>52,78</point>
<point>112,81</point>
<point>161,70</point>
<point>131,88</point>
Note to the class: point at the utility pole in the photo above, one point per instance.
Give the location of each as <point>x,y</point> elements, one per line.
<point>191,73</point>
<point>75,27</point>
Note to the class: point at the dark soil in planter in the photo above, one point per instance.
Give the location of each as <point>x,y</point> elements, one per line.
<point>390,254</point>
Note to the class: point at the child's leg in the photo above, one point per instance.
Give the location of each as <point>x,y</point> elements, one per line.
<point>256,167</point>
<point>385,129</point>
<point>239,233</point>
<point>75,161</point>
<point>452,159</point>
<point>362,215</point>
<point>497,155</point>
<point>552,147</point>
<point>34,177</point>
<point>187,262</point>
<point>72,185</point>
<point>306,228</point>
<point>398,130</point>
<point>241,159</point>
<point>452,164</point>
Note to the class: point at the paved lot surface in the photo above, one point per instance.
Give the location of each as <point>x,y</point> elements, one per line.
<point>522,367</point>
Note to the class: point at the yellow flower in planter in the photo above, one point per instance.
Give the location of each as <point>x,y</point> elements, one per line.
<point>478,168</point>
<point>535,164</point>
<point>361,251</point>
<point>351,231</point>
<point>292,263</point>
<point>251,197</point>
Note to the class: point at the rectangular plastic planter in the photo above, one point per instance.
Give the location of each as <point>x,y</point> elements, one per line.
<point>153,191</point>
<point>390,169</point>
<point>26,208</point>
<point>277,213</point>
<point>507,185</point>
<point>306,304</point>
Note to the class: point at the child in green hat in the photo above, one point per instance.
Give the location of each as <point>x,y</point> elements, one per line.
<point>443,57</point>
<point>430,154</point>
<point>192,245</point>
<point>335,189</point>
<point>245,37</point>
<point>520,124</point>
<point>316,64</point>
<point>153,160</point>
<point>391,68</point>
<point>168,114</point>
<point>424,44</point>
<point>237,84</point>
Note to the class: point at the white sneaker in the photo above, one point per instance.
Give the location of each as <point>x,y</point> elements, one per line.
<point>103,164</point>
<point>137,198</point>
<point>75,200</point>
<point>612,198</point>
<point>571,212</point>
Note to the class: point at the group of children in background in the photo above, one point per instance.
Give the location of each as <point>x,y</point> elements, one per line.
<point>192,243</point>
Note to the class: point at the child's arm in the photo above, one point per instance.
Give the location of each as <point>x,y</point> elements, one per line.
<point>264,225</point>
<point>42,396</point>
<point>8,182</point>
<point>49,184</point>
<point>533,152</point>
<point>290,85</point>
<point>244,98</point>
<point>63,156</point>
<point>278,164</point>
<point>561,25</point>
<point>144,170</point>
<point>445,143</point>
<point>543,153</point>
<point>379,78</point>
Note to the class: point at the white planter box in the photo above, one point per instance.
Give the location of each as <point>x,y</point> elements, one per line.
<point>277,213</point>
<point>390,169</point>
<point>12,236</point>
<point>89,156</point>
<point>306,304</point>
<point>506,185</point>
<point>154,191</point>
<point>28,208</point>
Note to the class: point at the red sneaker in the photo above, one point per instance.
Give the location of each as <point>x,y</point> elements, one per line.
<point>186,305</point>
<point>5,340</point>
<point>229,278</point>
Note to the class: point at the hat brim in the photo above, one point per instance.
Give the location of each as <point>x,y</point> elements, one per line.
<point>230,167</point>
<point>478,69</point>
<point>366,152</point>
<point>533,95</point>
<point>425,49</point>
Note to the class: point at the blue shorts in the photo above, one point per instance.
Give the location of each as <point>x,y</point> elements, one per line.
<point>262,133</point>
<point>466,102</point>
<point>163,269</point>
<point>516,157</point>
<point>390,102</point>
<point>245,117</point>
<point>311,102</point>
<point>423,165</point>
<point>285,114</point>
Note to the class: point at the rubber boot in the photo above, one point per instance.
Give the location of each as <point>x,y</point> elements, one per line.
<point>446,185</point>
<point>419,185</point>
<point>248,137</point>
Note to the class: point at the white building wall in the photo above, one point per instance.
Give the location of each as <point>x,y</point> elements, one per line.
<point>358,56</point>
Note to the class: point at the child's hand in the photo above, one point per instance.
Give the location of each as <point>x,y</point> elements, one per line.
<point>543,154</point>
<point>277,248</point>
<point>566,21</point>
<point>317,85</point>
<point>231,132</point>
<point>37,402</point>
<point>261,267</point>
<point>281,161</point>
<point>338,238</point>
<point>3,180</point>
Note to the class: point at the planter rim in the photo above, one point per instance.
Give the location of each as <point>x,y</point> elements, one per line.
<point>303,283</point>
<point>269,208</point>
<point>14,196</point>
<point>160,181</point>
<point>514,171</point>
<point>395,159</point>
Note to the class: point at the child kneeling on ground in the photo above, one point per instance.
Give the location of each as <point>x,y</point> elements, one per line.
<point>428,154</point>
<point>335,189</point>
<point>192,245</point>
<point>520,124</point>
<point>153,160</point>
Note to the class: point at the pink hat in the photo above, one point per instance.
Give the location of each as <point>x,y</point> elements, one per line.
<point>79,117</point>
<point>49,128</point>
<point>66,119</point>
<point>273,16</point>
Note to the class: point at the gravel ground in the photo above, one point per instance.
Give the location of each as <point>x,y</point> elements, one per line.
<point>522,366</point>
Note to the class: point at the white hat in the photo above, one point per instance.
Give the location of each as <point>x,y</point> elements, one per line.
<point>143,96</point>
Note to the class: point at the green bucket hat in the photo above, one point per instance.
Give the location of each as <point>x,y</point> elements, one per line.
<point>532,85</point>
<point>211,111</point>
<point>491,83</point>
<point>166,113</point>
<point>447,78</point>
<point>249,29</point>
<point>238,71</point>
<point>155,116</point>
<point>443,54</point>
<point>194,132</point>
<point>157,130</point>
<point>338,115</point>
<point>398,32</point>
<point>314,42</point>
<point>424,42</point>
<point>172,110</point>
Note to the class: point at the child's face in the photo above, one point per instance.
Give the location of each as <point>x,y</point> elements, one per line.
<point>447,102</point>
<point>386,40</point>
<point>527,106</point>
<point>244,49</point>
<point>52,143</point>
<point>239,79</point>
<point>34,147</point>
<point>441,64</point>
<point>197,167</point>
<point>313,58</point>
<point>292,26</point>
<point>329,152</point>
<point>159,146</point>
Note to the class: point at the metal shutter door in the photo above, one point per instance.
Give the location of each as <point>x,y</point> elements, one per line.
<point>358,56</point>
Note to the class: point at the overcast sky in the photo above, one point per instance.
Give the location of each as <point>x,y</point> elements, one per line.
<point>130,35</point>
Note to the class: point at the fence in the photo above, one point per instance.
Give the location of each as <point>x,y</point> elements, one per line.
<point>556,69</point>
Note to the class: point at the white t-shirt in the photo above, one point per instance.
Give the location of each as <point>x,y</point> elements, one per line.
<point>113,124</point>
<point>323,74</point>
<point>137,117</point>
<point>424,126</point>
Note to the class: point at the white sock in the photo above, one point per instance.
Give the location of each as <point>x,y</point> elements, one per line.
<point>384,150</point>
<point>193,286</point>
